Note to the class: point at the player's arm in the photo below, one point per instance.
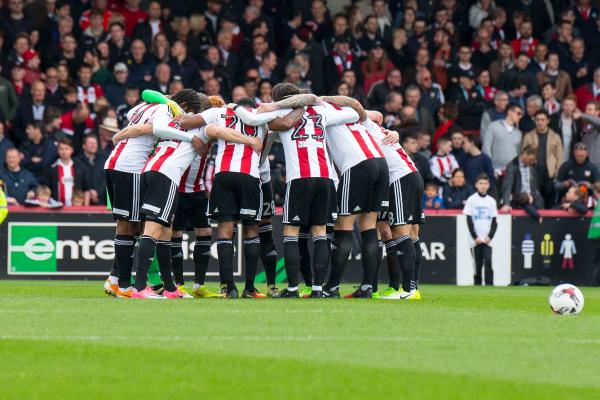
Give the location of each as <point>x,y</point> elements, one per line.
<point>191,121</point>
<point>132,131</point>
<point>233,136</point>
<point>298,100</point>
<point>375,116</point>
<point>346,115</point>
<point>282,124</point>
<point>253,118</point>
<point>161,129</point>
<point>345,101</point>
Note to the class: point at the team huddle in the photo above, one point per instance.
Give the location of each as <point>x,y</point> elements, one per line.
<point>156,198</point>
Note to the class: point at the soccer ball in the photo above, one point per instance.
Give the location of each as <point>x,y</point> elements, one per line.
<point>566,299</point>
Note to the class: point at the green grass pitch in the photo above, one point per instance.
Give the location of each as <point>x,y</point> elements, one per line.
<point>67,340</point>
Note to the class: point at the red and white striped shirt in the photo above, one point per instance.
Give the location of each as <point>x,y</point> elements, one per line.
<point>192,180</point>
<point>443,166</point>
<point>350,144</point>
<point>235,157</point>
<point>130,155</point>
<point>305,144</point>
<point>89,94</point>
<point>173,158</point>
<point>66,182</point>
<point>399,163</point>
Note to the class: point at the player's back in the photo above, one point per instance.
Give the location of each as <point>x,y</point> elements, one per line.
<point>235,157</point>
<point>399,162</point>
<point>130,155</point>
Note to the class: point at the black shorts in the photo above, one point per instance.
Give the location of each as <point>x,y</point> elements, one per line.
<point>191,211</point>
<point>308,202</point>
<point>268,204</point>
<point>236,196</point>
<point>405,205</point>
<point>159,198</point>
<point>363,187</point>
<point>124,193</point>
<point>333,206</point>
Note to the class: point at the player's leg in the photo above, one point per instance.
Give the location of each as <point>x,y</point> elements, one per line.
<point>418,220</point>
<point>268,252</point>
<point>225,252</point>
<point>201,259</point>
<point>478,257</point>
<point>251,256</point>
<point>414,234</point>
<point>305,261</point>
<point>177,258</point>
<point>406,254</point>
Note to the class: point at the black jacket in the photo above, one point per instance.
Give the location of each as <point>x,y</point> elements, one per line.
<point>456,197</point>
<point>511,185</point>
<point>556,125</point>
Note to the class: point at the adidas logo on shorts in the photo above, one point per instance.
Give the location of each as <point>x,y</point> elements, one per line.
<point>357,208</point>
<point>296,218</point>
<point>216,210</point>
<point>410,218</point>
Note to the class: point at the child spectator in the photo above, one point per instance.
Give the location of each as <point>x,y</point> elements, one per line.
<point>443,163</point>
<point>575,200</point>
<point>481,211</point>
<point>78,198</point>
<point>431,198</point>
<point>456,191</point>
<point>66,176</point>
<point>43,198</point>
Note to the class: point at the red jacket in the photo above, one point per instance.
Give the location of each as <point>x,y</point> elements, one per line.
<point>584,95</point>
<point>519,45</point>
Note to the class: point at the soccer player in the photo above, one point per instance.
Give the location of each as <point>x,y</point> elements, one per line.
<point>309,183</point>
<point>236,194</point>
<point>123,170</point>
<point>268,252</point>
<point>362,189</point>
<point>161,177</point>
<point>399,225</point>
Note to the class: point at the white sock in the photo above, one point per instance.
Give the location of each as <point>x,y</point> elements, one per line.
<point>365,287</point>
<point>316,288</point>
<point>113,280</point>
<point>292,289</point>
<point>196,286</point>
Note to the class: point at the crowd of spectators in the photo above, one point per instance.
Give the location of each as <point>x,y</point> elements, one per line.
<point>510,88</point>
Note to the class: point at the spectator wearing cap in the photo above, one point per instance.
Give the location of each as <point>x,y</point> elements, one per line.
<point>38,151</point>
<point>19,183</point>
<point>576,171</point>
<point>31,64</point>
<point>162,78</point>
<point>519,71</point>
<point>469,102</point>
<point>28,111</point>
<point>376,66</point>
<point>589,91</point>
<point>181,65</point>
<point>549,154</point>
<point>106,131</point>
<point>140,64</point>
<point>118,44</point>
<point>149,28</point>
<point>553,74</point>
<point>339,60</point>
<point>8,99</point>
<point>95,33</point>
<point>15,21</point>
<point>92,161</point>
<point>115,91</point>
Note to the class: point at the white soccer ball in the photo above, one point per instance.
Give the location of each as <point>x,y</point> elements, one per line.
<point>566,299</point>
